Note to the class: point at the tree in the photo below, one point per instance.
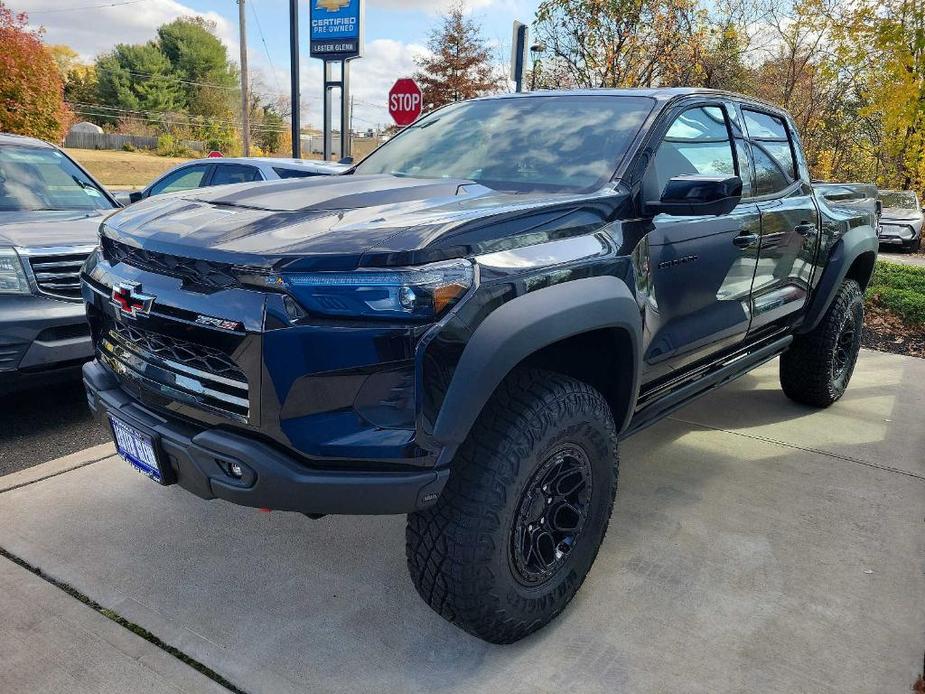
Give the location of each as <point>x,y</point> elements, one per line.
<point>624,43</point>
<point>138,78</point>
<point>31,91</point>
<point>199,60</point>
<point>80,85</point>
<point>459,66</point>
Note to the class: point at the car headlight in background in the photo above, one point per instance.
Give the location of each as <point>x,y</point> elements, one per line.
<point>416,292</point>
<point>12,275</point>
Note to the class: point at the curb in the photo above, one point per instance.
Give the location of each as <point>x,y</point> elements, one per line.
<point>56,467</point>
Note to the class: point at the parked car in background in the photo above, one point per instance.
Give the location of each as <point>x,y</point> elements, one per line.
<point>204,173</point>
<point>50,211</point>
<point>863,196</point>
<point>902,220</point>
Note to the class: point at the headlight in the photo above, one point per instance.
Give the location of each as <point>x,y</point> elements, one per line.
<point>416,292</point>
<point>12,276</point>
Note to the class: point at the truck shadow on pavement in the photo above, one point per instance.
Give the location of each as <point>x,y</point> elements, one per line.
<point>730,562</point>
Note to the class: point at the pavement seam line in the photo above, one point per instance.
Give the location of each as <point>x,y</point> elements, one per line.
<point>830,454</point>
<point>57,474</point>
<point>114,616</point>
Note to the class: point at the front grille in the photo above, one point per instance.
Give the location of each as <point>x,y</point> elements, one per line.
<point>198,273</point>
<point>57,273</point>
<point>200,375</point>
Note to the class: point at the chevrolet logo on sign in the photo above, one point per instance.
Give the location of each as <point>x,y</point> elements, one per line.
<point>331,5</point>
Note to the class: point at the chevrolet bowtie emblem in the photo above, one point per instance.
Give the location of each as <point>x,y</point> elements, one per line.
<point>331,5</point>
<point>130,301</point>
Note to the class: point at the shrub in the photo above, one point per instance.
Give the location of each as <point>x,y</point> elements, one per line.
<point>900,289</point>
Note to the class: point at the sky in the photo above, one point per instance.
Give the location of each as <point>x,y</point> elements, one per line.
<point>396,32</point>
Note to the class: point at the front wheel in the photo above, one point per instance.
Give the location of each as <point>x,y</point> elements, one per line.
<point>525,510</point>
<point>818,366</point>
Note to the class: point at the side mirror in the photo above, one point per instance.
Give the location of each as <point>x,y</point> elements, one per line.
<point>346,160</point>
<point>698,196</point>
<point>135,196</point>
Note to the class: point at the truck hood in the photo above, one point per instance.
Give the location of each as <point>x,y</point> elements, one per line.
<point>39,229</point>
<point>323,223</point>
<point>901,214</point>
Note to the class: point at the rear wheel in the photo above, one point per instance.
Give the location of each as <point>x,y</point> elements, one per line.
<point>818,366</point>
<point>526,508</point>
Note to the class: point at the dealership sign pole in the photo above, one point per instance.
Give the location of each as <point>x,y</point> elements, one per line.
<point>337,37</point>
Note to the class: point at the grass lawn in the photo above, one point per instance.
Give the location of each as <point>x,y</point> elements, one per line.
<point>119,169</point>
<point>896,309</point>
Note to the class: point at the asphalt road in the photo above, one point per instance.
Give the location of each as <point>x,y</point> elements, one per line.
<point>43,424</point>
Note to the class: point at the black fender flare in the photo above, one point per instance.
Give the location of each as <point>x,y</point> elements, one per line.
<point>851,246</point>
<point>526,325</point>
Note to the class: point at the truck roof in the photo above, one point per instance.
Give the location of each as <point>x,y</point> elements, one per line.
<point>660,94</point>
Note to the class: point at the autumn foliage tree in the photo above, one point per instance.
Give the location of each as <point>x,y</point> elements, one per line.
<point>459,66</point>
<point>31,90</point>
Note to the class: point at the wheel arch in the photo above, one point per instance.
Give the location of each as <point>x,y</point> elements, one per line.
<point>852,257</point>
<point>590,329</point>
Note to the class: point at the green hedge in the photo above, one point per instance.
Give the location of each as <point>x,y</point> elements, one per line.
<point>901,289</point>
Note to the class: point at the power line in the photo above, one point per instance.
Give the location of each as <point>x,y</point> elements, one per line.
<point>266,48</point>
<point>103,111</point>
<point>172,78</point>
<point>85,7</point>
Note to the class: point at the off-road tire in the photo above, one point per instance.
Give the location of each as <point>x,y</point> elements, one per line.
<point>811,371</point>
<point>461,552</point>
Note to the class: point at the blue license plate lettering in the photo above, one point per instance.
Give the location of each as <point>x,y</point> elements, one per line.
<point>136,448</point>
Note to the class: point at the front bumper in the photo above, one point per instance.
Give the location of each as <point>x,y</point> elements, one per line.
<point>898,233</point>
<point>39,334</point>
<point>199,458</point>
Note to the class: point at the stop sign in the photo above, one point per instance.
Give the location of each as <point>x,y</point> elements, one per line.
<point>405,101</point>
<point>214,155</point>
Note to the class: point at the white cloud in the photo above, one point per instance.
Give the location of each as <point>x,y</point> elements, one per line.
<point>431,6</point>
<point>94,31</point>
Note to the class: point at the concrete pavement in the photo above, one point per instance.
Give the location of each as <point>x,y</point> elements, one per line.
<point>756,545</point>
<point>903,258</point>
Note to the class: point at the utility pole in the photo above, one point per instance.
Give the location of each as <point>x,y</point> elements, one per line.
<point>245,105</point>
<point>295,96</point>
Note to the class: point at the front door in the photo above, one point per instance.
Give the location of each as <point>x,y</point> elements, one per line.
<point>701,267</point>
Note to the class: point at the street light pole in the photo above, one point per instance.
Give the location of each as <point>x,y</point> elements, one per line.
<point>245,106</point>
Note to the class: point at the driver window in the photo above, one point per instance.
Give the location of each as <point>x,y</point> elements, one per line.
<point>696,143</point>
<point>184,179</point>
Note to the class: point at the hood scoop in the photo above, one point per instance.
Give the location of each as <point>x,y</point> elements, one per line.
<point>334,193</point>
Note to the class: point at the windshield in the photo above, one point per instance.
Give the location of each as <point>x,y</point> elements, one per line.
<point>549,143</point>
<point>39,178</point>
<point>903,199</point>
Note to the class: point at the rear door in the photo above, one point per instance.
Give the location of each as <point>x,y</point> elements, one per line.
<point>789,221</point>
<point>701,267</point>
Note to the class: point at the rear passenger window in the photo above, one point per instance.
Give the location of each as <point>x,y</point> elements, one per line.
<point>696,143</point>
<point>234,173</point>
<point>293,173</point>
<point>772,155</point>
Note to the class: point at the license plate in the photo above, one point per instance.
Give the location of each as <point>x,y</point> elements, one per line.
<point>137,449</point>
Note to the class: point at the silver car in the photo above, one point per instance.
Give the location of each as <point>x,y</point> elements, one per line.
<point>203,173</point>
<point>901,223</point>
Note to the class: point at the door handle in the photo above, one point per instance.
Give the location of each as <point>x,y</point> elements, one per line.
<point>745,241</point>
<point>806,230</point>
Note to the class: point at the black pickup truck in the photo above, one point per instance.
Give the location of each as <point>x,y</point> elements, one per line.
<point>465,325</point>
